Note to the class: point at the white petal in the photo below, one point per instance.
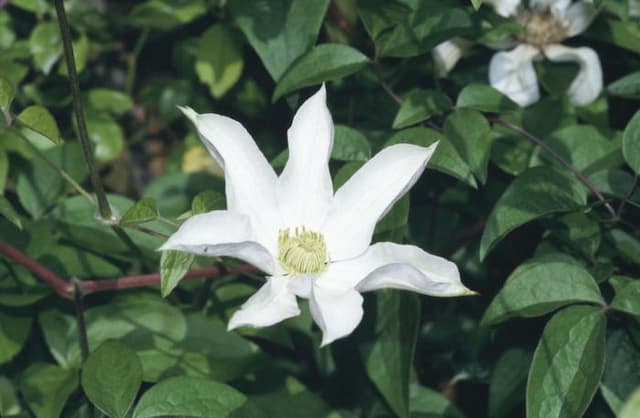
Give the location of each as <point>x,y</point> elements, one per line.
<point>558,7</point>
<point>634,8</point>
<point>579,16</point>
<point>304,187</point>
<point>336,312</point>
<point>513,74</point>
<point>587,85</point>
<point>301,285</point>
<point>272,303</point>
<point>221,233</point>
<point>504,8</point>
<point>447,54</point>
<point>368,195</point>
<point>390,265</point>
<point>250,180</point>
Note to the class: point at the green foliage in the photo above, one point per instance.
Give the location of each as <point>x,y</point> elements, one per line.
<point>537,205</point>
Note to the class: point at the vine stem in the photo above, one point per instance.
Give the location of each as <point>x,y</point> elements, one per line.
<point>65,31</point>
<point>67,289</point>
<point>579,175</point>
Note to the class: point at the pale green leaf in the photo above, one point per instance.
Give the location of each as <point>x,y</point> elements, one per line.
<point>631,408</point>
<point>40,120</point>
<point>173,266</point>
<point>622,369</point>
<point>45,44</point>
<point>144,210</point>
<point>46,388</point>
<point>627,86</point>
<point>207,201</point>
<point>627,299</point>
<point>113,101</point>
<point>6,93</point>
<point>219,60</point>
<point>9,212</point>
<point>631,143</point>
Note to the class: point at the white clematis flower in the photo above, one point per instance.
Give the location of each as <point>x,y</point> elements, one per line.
<point>546,23</point>
<point>312,242</point>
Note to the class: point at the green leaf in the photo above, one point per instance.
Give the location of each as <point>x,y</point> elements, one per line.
<point>14,330</point>
<point>46,388</point>
<point>4,171</point>
<point>144,210</point>
<point>45,44</point>
<point>428,403</point>
<point>485,98</point>
<point>476,4</point>
<point>349,145</point>
<point>189,396</point>
<point>9,403</point>
<point>616,183</point>
<point>627,86</point>
<point>111,377</point>
<point>445,159</point>
<point>322,63</point>
<point>40,120</point>
<point>622,369</point>
<point>219,60</point>
<point>631,408</point>
<point>77,262</point>
<point>9,212</point>
<point>578,231</point>
<point>618,32</point>
<point>173,266</point>
<point>627,299</point>
<point>427,27</point>
<point>567,364</point>
<point>106,135</point>
<point>625,245</point>
<point>536,192</point>
<point>279,30</point>
<point>6,93</point>
<point>165,14</point>
<point>470,133</point>
<point>380,15</point>
<point>631,143</point>
<point>40,186</point>
<point>421,105</point>
<point>539,287</point>
<point>112,101</point>
<point>388,361</point>
<point>508,381</point>
<point>207,201</point>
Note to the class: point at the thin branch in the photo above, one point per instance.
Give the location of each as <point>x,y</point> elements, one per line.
<point>385,86</point>
<point>133,61</point>
<point>61,286</point>
<point>65,31</point>
<point>539,142</point>
<point>627,197</point>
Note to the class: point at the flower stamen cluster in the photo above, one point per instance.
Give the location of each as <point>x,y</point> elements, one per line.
<point>541,28</point>
<point>304,252</point>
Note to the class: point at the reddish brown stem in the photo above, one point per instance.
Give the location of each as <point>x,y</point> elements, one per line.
<point>66,288</point>
<point>61,286</point>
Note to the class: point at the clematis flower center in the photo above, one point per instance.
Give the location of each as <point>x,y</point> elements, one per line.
<point>302,252</point>
<point>541,28</point>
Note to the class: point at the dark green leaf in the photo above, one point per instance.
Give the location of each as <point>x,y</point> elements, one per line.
<point>626,245</point>
<point>166,14</point>
<point>536,192</point>
<point>508,381</point>
<point>9,403</point>
<point>627,86</point>
<point>616,183</point>
<point>567,364</point>
<point>144,210</point>
<point>189,396</point>
<point>420,105</point>
<point>350,145</point>
<point>428,403</point>
<point>6,93</point>
<point>389,360</point>
<point>173,266</point>
<point>622,369</point>
<point>111,377</point>
<point>578,231</point>
<point>539,287</point>
<point>627,299</point>
<point>380,15</point>
<point>46,388</point>
<point>219,59</point>
<point>484,98</point>
<point>470,133</point>
<point>631,143</point>
<point>9,212</point>
<point>14,330</point>
<point>40,120</point>
<point>322,63</point>
<point>279,30</point>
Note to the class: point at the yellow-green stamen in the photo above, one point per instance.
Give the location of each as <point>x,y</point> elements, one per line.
<point>304,252</point>
<point>541,28</point>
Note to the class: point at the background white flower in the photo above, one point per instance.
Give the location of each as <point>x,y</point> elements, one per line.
<point>311,242</point>
<point>546,23</point>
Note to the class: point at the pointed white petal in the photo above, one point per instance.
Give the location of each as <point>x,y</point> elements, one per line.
<point>513,74</point>
<point>337,312</point>
<point>579,16</point>
<point>301,285</point>
<point>504,8</point>
<point>390,265</point>
<point>221,233</point>
<point>447,54</point>
<point>272,303</point>
<point>250,180</point>
<point>304,187</point>
<point>368,195</point>
<point>587,85</point>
